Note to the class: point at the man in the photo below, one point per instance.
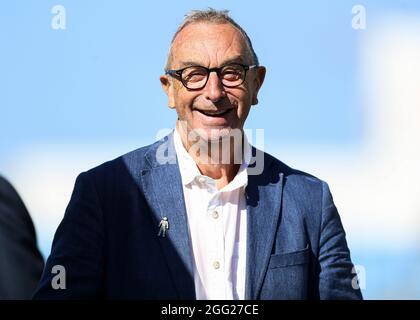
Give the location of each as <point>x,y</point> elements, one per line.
<point>21,262</point>
<point>241,228</point>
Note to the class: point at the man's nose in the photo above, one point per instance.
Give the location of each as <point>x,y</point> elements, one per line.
<point>214,88</point>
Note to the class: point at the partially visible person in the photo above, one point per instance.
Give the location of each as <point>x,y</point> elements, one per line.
<point>21,263</point>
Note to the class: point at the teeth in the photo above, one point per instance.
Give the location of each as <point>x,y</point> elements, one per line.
<point>214,113</point>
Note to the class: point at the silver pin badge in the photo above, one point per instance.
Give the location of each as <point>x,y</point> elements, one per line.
<point>163,226</point>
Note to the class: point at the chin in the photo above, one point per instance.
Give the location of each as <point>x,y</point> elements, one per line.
<point>214,134</point>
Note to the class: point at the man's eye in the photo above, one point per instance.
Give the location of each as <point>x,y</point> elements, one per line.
<point>194,75</point>
<point>231,74</point>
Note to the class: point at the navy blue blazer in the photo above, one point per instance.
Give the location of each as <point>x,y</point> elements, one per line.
<point>109,246</point>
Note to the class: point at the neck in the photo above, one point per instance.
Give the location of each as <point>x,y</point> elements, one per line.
<point>217,159</point>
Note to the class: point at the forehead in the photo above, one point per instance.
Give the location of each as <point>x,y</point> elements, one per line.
<point>208,44</point>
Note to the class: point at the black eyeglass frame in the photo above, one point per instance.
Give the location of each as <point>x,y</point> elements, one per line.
<point>178,74</point>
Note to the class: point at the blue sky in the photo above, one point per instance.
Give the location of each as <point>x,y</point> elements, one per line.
<point>98,79</point>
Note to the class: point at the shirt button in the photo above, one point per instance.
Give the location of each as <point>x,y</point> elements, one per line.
<point>216,265</point>
<point>215,214</point>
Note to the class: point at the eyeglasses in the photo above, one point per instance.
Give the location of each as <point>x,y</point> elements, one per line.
<point>196,77</point>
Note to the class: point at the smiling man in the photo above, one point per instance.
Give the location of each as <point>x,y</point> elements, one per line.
<point>188,217</point>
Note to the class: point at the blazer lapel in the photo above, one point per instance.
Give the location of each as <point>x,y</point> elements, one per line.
<point>264,196</point>
<point>162,187</point>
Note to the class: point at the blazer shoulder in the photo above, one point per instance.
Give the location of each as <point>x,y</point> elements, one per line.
<point>133,161</point>
<point>290,172</point>
<point>305,196</point>
<point>6,187</point>
<point>122,172</point>
<point>297,181</point>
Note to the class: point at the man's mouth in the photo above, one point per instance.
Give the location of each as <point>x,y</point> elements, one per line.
<point>217,113</point>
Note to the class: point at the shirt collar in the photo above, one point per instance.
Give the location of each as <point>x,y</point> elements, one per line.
<point>187,165</point>
<point>190,172</point>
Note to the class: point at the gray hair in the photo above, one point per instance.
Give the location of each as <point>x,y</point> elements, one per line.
<point>213,16</point>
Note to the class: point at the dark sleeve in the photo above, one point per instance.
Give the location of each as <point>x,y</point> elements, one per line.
<point>21,262</point>
<point>77,248</point>
<point>336,276</point>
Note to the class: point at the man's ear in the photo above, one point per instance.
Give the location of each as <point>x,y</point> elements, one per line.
<point>168,87</point>
<point>258,81</point>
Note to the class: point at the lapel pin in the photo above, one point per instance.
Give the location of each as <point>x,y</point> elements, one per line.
<point>163,226</point>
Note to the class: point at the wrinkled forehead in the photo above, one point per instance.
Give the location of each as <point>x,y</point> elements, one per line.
<point>209,44</point>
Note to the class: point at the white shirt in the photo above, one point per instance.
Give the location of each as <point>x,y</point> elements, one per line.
<point>217,227</point>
